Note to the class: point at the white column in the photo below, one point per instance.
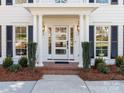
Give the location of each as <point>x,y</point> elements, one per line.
<point>40,42</point>
<point>3,41</point>
<point>86,30</point>
<point>120,2</point>
<point>81,40</point>
<point>120,40</point>
<point>35,27</point>
<point>3,2</point>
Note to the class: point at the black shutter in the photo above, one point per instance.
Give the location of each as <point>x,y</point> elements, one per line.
<point>114,41</point>
<point>123,40</point>
<point>9,2</point>
<point>30,1</point>
<point>30,33</point>
<point>91,1</point>
<point>9,41</point>
<point>91,40</point>
<point>114,2</point>
<point>0,41</point>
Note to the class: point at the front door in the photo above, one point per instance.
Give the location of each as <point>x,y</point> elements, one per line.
<point>60,42</point>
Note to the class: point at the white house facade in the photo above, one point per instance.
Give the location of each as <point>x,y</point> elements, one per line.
<point>59,27</point>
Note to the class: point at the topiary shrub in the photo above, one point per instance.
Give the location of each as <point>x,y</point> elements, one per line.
<point>86,55</point>
<point>119,61</point>
<point>15,67</point>
<point>7,62</point>
<point>32,47</point>
<point>121,69</point>
<point>99,60</point>
<point>101,67</point>
<point>23,61</point>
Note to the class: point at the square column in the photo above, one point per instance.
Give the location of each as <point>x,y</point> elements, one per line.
<point>40,41</point>
<point>86,29</point>
<point>81,40</point>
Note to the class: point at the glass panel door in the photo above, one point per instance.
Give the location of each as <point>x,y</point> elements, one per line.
<point>61,42</point>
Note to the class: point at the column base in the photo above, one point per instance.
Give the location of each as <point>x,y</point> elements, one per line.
<point>39,64</point>
<point>80,65</point>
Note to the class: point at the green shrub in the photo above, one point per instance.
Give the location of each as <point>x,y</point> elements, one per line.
<point>101,67</point>
<point>119,61</point>
<point>121,69</point>
<point>86,55</point>
<point>32,47</point>
<point>99,60</point>
<point>7,62</point>
<point>14,67</point>
<point>23,61</point>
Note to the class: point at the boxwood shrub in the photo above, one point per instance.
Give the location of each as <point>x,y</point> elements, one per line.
<point>101,67</point>
<point>23,61</point>
<point>99,60</point>
<point>7,62</point>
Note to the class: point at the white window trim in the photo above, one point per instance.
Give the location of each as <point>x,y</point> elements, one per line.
<point>109,42</point>
<point>14,46</point>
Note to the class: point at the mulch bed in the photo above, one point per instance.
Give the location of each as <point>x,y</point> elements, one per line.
<point>27,74</point>
<point>24,74</point>
<point>93,74</point>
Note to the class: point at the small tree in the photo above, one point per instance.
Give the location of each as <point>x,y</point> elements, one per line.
<point>32,54</point>
<point>86,55</point>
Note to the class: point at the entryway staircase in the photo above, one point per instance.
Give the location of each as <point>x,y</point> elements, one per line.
<point>60,68</point>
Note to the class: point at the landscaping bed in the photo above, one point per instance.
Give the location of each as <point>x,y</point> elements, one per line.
<point>25,74</point>
<point>93,74</point>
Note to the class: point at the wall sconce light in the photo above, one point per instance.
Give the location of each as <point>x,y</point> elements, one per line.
<point>43,27</point>
<point>78,27</point>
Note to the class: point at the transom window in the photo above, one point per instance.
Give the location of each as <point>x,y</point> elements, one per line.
<point>102,1</point>
<point>102,40</point>
<point>21,40</point>
<point>60,1</point>
<point>20,1</point>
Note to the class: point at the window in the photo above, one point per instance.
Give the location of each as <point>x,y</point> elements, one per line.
<point>49,40</point>
<point>9,2</point>
<point>71,40</point>
<point>21,40</point>
<point>60,1</point>
<point>114,2</point>
<point>20,1</point>
<point>101,1</point>
<point>102,40</point>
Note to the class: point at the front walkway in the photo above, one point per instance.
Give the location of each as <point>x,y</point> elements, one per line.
<point>73,84</point>
<point>62,84</point>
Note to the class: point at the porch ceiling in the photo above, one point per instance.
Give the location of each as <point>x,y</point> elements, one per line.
<point>60,9</point>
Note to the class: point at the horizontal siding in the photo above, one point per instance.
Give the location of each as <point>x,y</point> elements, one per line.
<point>112,14</point>
<point>13,14</point>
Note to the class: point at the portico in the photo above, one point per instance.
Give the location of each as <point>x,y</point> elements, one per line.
<point>59,31</point>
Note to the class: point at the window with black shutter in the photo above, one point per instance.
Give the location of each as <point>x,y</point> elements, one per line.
<point>91,1</point>
<point>9,41</point>
<point>114,2</point>
<point>9,2</point>
<point>0,41</point>
<point>30,33</point>
<point>114,41</point>
<point>91,40</point>
<point>30,1</point>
